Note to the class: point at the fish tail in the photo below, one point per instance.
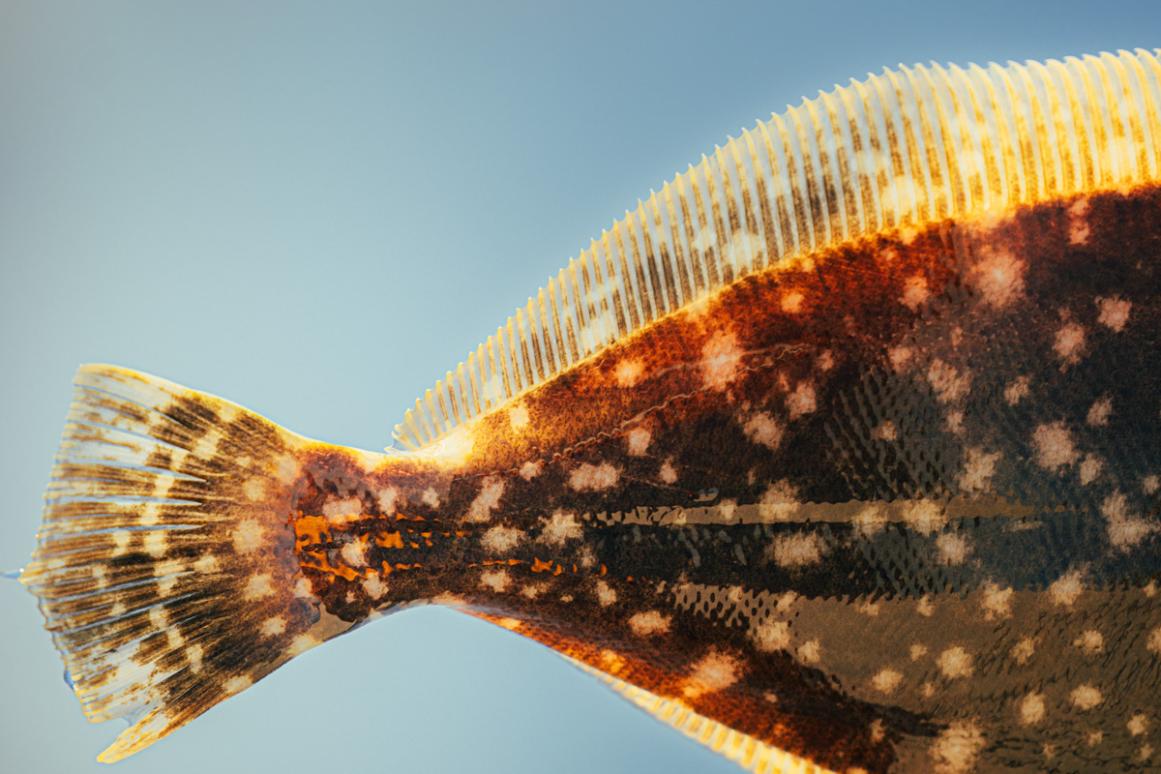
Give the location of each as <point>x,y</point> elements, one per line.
<point>165,565</point>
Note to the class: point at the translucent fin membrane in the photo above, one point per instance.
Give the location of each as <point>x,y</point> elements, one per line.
<point>898,150</point>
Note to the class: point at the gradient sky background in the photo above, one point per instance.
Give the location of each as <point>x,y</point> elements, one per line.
<point>314,209</point>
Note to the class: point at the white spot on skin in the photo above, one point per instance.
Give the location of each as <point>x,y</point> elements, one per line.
<point>770,636</point>
<point>948,382</point>
<point>1078,230</point>
<point>1023,651</point>
<point>193,657</point>
<point>956,749</point>
<point>533,590</point>
<point>953,548</point>
<point>925,607</point>
<point>1054,446</point>
<point>254,489</point>
<point>649,623</point>
<point>1150,484</point>
<point>530,470</point>
<point>1090,469</point>
<point>374,587</point>
<point>158,618</point>
<point>1090,641</point>
<point>996,602</point>
<point>955,422</point>
<point>1069,343</point>
<point>1085,697</point>
<point>258,586</point>
<point>501,539</point>
<point>496,580</point>
<point>1017,390</point>
<point>914,292</point>
<point>999,278</point>
<point>1098,413</point>
<point>559,528</point>
<point>1138,724</point>
<point>342,510</point>
<point>955,662</point>
<point>302,589</point>
<point>810,652</point>
<point>518,417</point>
<point>900,358</point>
<point>885,432</point>
<point>978,469</point>
<point>272,627</point>
<point>918,651</point>
<point>779,502</point>
<point>870,520</point>
<point>628,372</point>
<point>593,478</point>
<point>387,498</point>
<point>637,441</point>
<point>155,543</point>
<point>248,536</point>
<point>886,680</point>
<point>1032,709</point>
<point>1125,531</point>
<point>606,594</point>
<point>1154,643</point>
<point>430,498</point>
<point>491,490</point>
<point>667,473</point>
<point>762,428</point>
<point>798,550</point>
<point>715,672</point>
<point>792,302</point>
<point>1094,738</point>
<point>721,360</point>
<point>286,468</point>
<point>1066,589</point>
<point>924,516</point>
<point>802,401</point>
<point>354,553</point>
<point>1114,313</point>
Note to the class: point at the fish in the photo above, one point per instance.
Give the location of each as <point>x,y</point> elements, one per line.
<point>839,452</point>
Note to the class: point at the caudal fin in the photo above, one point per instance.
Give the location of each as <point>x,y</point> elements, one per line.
<point>165,566</point>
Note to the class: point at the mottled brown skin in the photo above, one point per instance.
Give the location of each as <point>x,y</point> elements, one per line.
<point>660,534</point>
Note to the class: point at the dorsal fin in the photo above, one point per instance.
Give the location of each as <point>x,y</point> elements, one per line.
<point>899,150</point>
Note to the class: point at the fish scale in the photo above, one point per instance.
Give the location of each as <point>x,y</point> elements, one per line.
<point>840,452</point>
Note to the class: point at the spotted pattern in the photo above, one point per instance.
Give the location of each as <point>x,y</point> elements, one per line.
<point>889,506</point>
<point>946,534</point>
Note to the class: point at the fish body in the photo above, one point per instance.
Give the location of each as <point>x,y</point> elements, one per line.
<point>842,452</point>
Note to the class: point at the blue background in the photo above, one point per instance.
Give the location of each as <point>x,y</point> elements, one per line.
<point>315,209</point>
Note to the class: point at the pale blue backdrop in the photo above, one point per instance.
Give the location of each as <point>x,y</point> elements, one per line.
<point>315,209</point>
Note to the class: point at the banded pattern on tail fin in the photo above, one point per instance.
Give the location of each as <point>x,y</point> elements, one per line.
<point>899,150</point>
<point>165,566</point>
